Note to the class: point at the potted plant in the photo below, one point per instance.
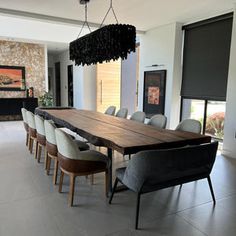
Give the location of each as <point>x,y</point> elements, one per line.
<point>46,100</point>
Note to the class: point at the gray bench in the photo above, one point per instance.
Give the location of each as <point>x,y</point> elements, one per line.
<point>157,169</point>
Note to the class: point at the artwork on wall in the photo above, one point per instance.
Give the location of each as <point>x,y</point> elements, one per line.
<point>12,78</point>
<point>154,92</point>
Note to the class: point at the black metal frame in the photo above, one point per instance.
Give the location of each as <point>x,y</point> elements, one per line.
<point>204,115</point>
<point>163,74</point>
<point>139,196</point>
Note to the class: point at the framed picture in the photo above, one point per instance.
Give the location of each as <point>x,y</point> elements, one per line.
<point>154,92</point>
<point>12,78</point>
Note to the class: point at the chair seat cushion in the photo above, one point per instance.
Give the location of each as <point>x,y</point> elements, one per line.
<point>92,155</point>
<point>82,145</point>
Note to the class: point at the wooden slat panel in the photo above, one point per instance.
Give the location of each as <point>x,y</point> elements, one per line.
<point>108,85</point>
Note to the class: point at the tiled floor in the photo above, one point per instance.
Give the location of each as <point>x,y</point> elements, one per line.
<point>30,205</point>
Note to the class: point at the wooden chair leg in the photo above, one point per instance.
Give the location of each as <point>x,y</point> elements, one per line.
<point>27,139</point>
<point>36,149</point>
<point>48,165</point>
<point>39,152</point>
<point>55,171</point>
<point>31,145</point>
<point>211,189</point>
<point>61,181</point>
<point>29,142</point>
<point>113,190</point>
<point>137,210</point>
<point>72,189</point>
<point>45,159</point>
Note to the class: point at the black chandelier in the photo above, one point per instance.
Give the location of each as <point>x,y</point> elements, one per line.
<point>107,43</point>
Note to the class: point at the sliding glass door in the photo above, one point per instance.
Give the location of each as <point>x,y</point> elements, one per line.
<point>211,114</point>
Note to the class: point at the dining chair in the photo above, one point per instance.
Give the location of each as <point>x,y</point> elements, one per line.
<point>26,126</point>
<point>122,113</point>
<point>190,125</point>
<point>75,163</point>
<point>41,136</point>
<point>138,116</point>
<point>110,110</point>
<point>51,147</point>
<point>158,121</point>
<point>152,170</point>
<point>32,132</point>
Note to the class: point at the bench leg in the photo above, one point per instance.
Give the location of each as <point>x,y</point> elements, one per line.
<point>137,210</point>
<point>113,190</point>
<point>211,189</point>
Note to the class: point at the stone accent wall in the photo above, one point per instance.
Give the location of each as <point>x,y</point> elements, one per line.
<point>32,57</point>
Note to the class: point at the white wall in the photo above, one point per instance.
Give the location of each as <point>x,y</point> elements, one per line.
<point>89,87</point>
<point>128,82</point>
<point>229,145</point>
<point>163,45</point>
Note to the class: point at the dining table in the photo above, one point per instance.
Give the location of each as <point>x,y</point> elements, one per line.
<point>123,135</point>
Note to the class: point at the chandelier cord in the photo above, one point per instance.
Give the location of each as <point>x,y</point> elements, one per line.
<point>85,21</point>
<point>110,8</point>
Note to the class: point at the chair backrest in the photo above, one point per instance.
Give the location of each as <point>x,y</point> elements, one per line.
<point>31,120</point>
<point>50,131</point>
<point>122,113</point>
<point>66,146</point>
<point>110,110</point>
<point>147,170</point>
<point>138,116</point>
<point>39,123</point>
<point>24,115</point>
<point>190,125</point>
<point>158,121</point>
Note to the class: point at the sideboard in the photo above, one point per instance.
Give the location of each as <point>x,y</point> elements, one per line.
<point>10,108</point>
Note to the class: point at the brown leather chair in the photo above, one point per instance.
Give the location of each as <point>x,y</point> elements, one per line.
<point>51,147</point>
<point>76,163</point>
<point>41,138</point>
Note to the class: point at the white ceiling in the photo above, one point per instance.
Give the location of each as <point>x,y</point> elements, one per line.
<point>144,14</point>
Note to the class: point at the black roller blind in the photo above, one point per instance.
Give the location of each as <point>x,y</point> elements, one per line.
<point>206,58</point>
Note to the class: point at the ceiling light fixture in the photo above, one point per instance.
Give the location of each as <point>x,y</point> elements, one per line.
<point>109,42</point>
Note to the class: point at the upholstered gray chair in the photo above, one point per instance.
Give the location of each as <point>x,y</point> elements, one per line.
<point>158,121</point>
<point>149,171</point>
<point>190,125</point>
<point>75,163</point>
<point>122,113</point>
<point>138,116</point>
<point>26,126</point>
<point>110,110</point>
<point>51,147</point>
<point>32,131</point>
<point>41,136</point>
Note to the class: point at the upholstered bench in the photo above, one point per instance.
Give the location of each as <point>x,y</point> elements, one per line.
<point>157,169</point>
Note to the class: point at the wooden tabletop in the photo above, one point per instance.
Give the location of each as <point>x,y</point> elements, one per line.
<point>122,135</point>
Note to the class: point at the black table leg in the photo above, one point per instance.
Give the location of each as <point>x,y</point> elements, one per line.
<point>109,154</point>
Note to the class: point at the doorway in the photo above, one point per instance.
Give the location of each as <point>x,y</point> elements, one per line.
<point>70,85</point>
<point>108,85</point>
<point>58,83</point>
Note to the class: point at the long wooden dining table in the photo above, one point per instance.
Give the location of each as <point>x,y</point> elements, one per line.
<point>123,135</point>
